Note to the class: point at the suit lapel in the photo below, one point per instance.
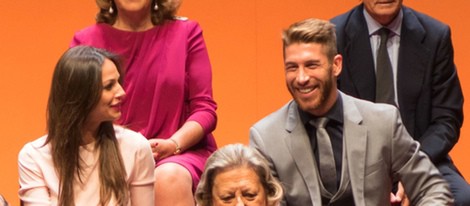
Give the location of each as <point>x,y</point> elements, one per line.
<point>355,139</point>
<point>298,143</point>
<point>360,61</point>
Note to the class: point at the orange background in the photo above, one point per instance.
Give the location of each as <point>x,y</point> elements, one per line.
<point>243,38</point>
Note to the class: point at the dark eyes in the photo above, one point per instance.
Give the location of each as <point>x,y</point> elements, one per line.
<point>227,198</point>
<point>249,196</point>
<point>109,86</point>
<point>312,66</point>
<point>246,195</point>
<point>290,67</point>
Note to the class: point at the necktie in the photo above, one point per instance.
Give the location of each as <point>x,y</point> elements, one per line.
<point>326,158</point>
<point>384,90</point>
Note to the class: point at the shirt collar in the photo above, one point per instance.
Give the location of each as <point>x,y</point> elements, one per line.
<point>374,26</point>
<point>335,113</point>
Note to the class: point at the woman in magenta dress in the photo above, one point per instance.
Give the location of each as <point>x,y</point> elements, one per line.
<point>168,84</point>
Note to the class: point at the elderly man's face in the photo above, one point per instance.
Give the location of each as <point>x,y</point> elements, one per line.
<point>383,11</point>
<point>237,187</point>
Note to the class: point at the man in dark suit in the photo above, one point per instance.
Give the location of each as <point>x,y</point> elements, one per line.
<point>369,144</point>
<point>425,85</point>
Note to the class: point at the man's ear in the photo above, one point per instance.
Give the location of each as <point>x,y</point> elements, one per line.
<point>337,65</point>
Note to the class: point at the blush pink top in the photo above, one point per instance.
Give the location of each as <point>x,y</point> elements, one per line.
<point>39,183</point>
<point>168,81</point>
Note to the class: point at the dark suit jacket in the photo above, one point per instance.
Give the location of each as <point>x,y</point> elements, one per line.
<point>377,148</point>
<point>429,93</point>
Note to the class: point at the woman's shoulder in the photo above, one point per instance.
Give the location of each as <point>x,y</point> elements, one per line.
<point>182,23</point>
<point>128,137</point>
<point>94,28</point>
<point>92,31</point>
<point>35,148</point>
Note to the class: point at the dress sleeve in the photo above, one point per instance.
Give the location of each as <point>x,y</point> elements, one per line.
<point>142,185</point>
<point>199,81</point>
<point>33,189</point>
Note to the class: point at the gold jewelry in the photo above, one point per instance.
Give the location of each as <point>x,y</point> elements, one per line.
<point>178,148</point>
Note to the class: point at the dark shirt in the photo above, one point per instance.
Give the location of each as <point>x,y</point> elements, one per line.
<point>334,127</point>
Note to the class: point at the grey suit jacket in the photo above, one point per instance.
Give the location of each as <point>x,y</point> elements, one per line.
<point>377,146</point>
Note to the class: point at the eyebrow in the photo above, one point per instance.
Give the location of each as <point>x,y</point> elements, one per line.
<point>312,61</point>
<point>109,80</point>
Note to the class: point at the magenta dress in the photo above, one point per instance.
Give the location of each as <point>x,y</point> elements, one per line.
<point>168,81</point>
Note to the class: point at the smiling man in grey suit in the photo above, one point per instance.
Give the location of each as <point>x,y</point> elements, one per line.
<point>426,85</point>
<point>371,146</point>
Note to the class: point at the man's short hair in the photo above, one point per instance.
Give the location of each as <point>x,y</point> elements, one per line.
<point>312,31</point>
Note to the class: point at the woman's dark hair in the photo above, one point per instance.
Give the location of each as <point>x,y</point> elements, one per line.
<point>76,89</point>
<point>166,11</point>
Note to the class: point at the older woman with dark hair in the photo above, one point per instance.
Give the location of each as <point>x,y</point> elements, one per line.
<point>238,175</point>
<point>85,159</point>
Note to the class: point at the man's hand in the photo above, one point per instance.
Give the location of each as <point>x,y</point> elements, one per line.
<point>399,197</point>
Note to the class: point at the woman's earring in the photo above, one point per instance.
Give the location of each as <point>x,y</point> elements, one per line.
<point>111,10</point>
<point>155,7</point>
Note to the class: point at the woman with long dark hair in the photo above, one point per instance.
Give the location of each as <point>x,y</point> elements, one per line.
<point>85,159</point>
